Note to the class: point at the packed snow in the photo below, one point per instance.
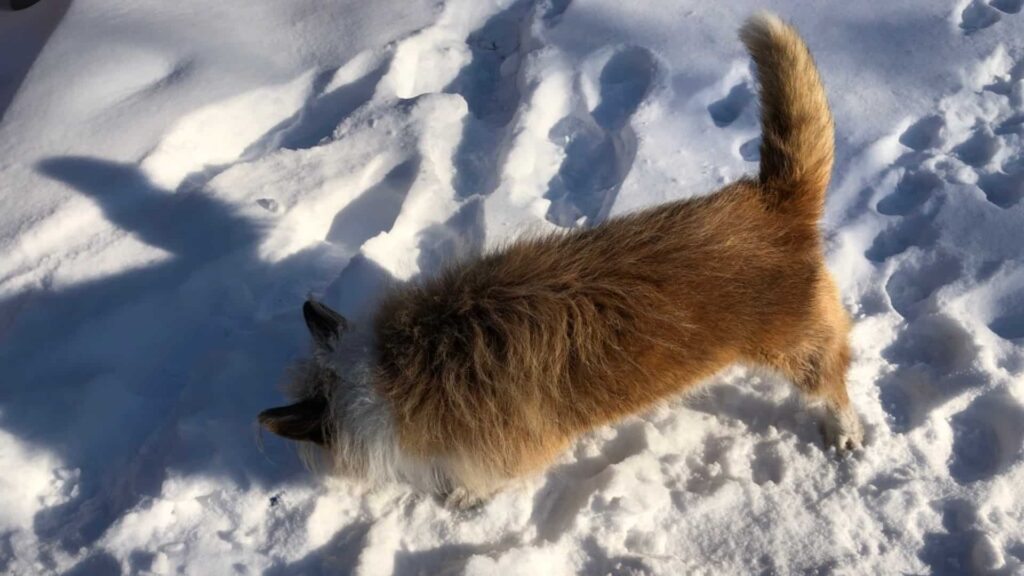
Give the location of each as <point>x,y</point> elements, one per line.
<point>178,176</point>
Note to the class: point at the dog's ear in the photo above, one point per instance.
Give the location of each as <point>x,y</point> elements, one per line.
<point>325,325</point>
<point>305,421</point>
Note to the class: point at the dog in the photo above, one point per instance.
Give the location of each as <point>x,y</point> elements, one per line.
<point>488,371</point>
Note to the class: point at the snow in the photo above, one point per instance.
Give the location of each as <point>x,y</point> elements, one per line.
<point>178,177</point>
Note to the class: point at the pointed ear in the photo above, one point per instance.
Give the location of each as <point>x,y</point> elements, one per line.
<point>325,325</point>
<point>305,421</point>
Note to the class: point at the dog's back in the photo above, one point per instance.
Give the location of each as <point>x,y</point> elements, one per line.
<point>497,363</point>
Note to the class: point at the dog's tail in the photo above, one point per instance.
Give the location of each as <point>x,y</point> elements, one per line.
<point>796,125</point>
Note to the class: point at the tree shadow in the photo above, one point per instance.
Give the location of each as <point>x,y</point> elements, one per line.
<point>23,35</point>
<point>158,370</point>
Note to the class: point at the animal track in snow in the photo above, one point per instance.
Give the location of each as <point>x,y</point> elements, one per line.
<point>1003,190</point>
<point>768,464</point>
<point>1005,187</point>
<point>914,189</point>
<point>1013,125</point>
<point>751,149</point>
<point>921,192</point>
<point>710,467</point>
<point>933,357</point>
<point>1009,326</point>
<point>977,16</point>
<point>625,81</point>
<point>972,145</point>
<point>570,486</point>
<point>986,435</point>
<point>939,341</point>
<point>600,146</point>
<point>925,133</point>
<point>1007,6</point>
<point>733,110</point>
<point>914,230</point>
<point>980,148</point>
<point>726,110</point>
<point>489,85</point>
<point>914,282</point>
<point>952,550</point>
<point>981,14</point>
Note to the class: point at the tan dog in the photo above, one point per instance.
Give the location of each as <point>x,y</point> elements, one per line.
<point>491,369</point>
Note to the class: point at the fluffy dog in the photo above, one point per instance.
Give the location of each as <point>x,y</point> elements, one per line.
<point>489,370</point>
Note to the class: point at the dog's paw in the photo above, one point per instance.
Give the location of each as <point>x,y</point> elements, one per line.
<point>843,431</point>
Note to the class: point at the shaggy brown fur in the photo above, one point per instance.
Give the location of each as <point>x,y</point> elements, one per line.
<point>495,365</point>
<point>507,358</point>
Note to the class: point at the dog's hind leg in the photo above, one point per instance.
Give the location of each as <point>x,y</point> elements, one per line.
<point>818,365</point>
<point>821,374</point>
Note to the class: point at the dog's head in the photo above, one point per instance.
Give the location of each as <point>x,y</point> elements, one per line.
<point>314,384</point>
<point>336,405</point>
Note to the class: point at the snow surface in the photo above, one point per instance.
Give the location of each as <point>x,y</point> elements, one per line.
<point>178,176</point>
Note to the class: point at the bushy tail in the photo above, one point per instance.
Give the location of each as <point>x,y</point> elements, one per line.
<point>796,125</point>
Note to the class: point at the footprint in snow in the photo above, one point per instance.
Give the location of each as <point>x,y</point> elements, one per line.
<point>1004,187</point>
<point>600,146</point>
<point>1012,125</point>
<point>726,110</point>
<point>987,436</point>
<point>1007,6</point>
<point>925,133</point>
<point>1009,326</point>
<point>913,189</point>
<point>934,355</point>
<point>977,16</point>
<point>933,359</point>
<point>768,464</point>
<point>751,149</point>
<point>913,283</point>
<point>914,230</point>
<point>980,148</point>
<point>1003,190</point>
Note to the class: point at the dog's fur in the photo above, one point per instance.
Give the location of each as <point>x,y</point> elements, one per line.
<point>489,370</point>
